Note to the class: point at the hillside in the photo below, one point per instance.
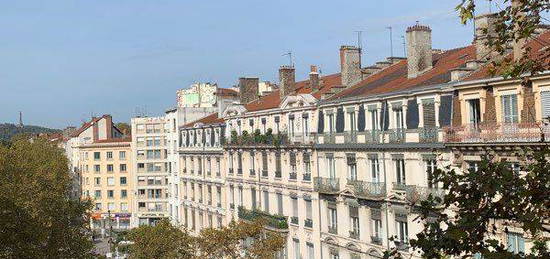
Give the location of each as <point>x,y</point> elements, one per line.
<point>8,130</point>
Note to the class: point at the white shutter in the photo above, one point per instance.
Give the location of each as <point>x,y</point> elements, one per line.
<point>545,103</point>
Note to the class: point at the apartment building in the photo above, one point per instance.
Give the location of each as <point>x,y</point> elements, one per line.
<point>150,148</point>
<point>108,179</point>
<point>203,193</point>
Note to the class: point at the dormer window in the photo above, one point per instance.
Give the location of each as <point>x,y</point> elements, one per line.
<point>291,124</point>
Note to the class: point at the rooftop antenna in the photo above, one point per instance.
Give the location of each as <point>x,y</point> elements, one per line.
<point>289,54</point>
<point>359,40</point>
<point>404,46</point>
<point>391,40</point>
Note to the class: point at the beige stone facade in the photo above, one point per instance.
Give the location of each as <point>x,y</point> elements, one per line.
<point>108,179</point>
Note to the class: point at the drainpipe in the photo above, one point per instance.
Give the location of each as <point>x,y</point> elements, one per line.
<point>385,176</point>
<point>319,210</point>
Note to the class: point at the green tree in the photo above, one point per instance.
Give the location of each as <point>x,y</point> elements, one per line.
<point>480,203</point>
<point>237,240</point>
<point>37,217</point>
<point>125,128</point>
<point>517,22</point>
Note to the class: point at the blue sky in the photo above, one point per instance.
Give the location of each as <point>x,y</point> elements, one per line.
<point>62,60</point>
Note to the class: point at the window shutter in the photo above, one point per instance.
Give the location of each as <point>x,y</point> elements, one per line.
<point>514,108</point>
<point>412,114</point>
<point>340,120</point>
<point>428,107</point>
<point>361,119</point>
<point>445,110</point>
<point>545,103</point>
<point>292,158</point>
<point>321,122</point>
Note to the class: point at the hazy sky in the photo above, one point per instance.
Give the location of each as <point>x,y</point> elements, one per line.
<point>62,60</point>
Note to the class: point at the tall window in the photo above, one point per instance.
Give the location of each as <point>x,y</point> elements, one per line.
<point>296,243</point>
<point>352,167</point>
<point>252,163</point>
<point>241,196</point>
<point>305,123</point>
<point>280,203</point>
<point>277,164</point>
<point>232,194</point>
<point>333,219</point>
<point>474,112</point>
<point>291,125</point>
<point>509,108</point>
<point>430,168</point>
<point>310,251</point>
<point>374,119</point>
<point>545,104</point>
<point>352,122</point>
<point>377,228</point>
<point>264,163</point>
<point>294,207</point>
<point>400,170</point>
<point>253,197</point>
<point>354,222</point>
<point>330,123</point>
<point>309,209</point>
<point>307,166</point>
<point>266,201</point>
<point>293,166</point>
<point>331,165</point>
<point>398,115</point>
<point>516,243</point>
<point>402,231</point>
<point>375,168</point>
<point>428,110</point>
<point>277,120</point>
<point>239,163</point>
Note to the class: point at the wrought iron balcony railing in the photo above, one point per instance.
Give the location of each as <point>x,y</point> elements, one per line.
<point>307,176</point>
<point>326,185</point>
<point>230,171</point>
<point>272,221</point>
<point>396,135</point>
<point>293,176</point>
<point>301,138</point>
<point>308,223</point>
<point>368,190</point>
<point>399,186</point>
<point>428,135</point>
<point>376,240</point>
<point>239,171</point>
<point>492,132</point>
<point>350,137</point>
<point>265,173</point>
<point>333,229</point>
<point>278,174</point>
<point>354,234</point>
<point>416,194</point>
<point>294,220</point>
<point>252,172</point>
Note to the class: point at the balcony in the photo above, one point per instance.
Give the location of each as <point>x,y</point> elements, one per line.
<point>399,186</point>
<point>396,135</point>
<point>354,234</point>
<point>257,139</point>
<point>271,221</point>
<point>350,137</point>
<point>307,177</point>
<point>333,230</point>
<point>492,132</point>
<point>368,190</point>
<point>308,223</point>
<point>372,136</point>
<point>293,176</point>
<point>376,240</point>
<point>301,138</point>
<point>294,220</point>
<point>326,185</point>
<point>428,135</point>
<point>418,193</point>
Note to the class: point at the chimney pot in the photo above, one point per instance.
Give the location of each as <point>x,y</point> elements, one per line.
<point>350,65</point>
<point>419,49</point>
<point>248,89</point>
<point>314,77</point>
<point>287,79</point>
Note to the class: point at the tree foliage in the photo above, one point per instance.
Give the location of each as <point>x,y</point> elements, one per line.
<point>481,204</point>
<point>125,128</point>
<point>237,240</point>
<point>517,22</point>
<point>37,217</point>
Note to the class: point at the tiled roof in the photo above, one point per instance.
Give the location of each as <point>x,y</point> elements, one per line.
<point>86,125</point>
<point>539,49</point>
<point>394,77</point>
<point>208,120</point>
<point>273,100</point>
<point>115,140</point>
<point>226,92</point>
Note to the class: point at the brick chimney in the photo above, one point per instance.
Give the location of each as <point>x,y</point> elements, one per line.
<point>485,29</point>
<point>350,65</point>
<point>287,79</point>
<point>314,78</point>
<point>518,45</point>
<point>248,89</point>
<point>419,49</point>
